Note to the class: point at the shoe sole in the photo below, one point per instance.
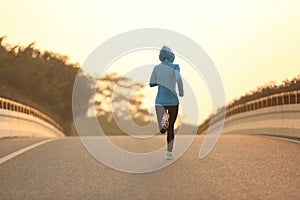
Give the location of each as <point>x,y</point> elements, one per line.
<point>163,131</point>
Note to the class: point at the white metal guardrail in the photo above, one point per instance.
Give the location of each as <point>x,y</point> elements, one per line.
<point>14,109</point>
<point>285,98</point>
<point>271,114</point>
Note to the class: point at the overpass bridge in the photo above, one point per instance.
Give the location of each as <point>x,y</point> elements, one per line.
<point>240,166</point>
<point>276,115</point>
<point>19,120</point>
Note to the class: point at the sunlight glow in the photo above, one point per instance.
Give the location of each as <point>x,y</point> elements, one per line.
<point>250,42</point>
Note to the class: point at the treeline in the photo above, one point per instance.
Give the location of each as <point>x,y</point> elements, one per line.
<point>260,92</point>
<point>43,80</point>
<point>267,90</point>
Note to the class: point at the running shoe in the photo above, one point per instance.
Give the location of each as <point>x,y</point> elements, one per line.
<point>169,155</point>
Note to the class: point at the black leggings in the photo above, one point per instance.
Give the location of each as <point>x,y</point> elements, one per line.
<point>173,111</point>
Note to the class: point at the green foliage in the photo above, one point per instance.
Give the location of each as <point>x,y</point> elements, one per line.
<point>122,96</point>
<point>268,90</point>
<point>260,92</point>
<point>43,80</point>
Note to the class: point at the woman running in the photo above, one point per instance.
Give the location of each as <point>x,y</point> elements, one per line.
<point>165,76</point>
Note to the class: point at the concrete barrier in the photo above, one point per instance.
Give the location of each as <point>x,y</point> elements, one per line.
<point>277,115</point>
<point>281,120</point>
<point>18,120</point>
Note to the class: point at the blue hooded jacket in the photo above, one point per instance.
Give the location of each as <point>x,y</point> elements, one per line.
<point>165,76</point>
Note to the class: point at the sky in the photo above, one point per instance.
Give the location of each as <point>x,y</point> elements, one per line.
<point>251,42</point>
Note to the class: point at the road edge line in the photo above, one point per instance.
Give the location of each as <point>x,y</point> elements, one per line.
<point>23,150</point>
<point>282,138</point>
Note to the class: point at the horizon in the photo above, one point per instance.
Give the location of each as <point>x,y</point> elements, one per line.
<point>241,38</point>
<point>152,97</point>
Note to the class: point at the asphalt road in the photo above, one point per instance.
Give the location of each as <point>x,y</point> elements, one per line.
<point>239,167</point>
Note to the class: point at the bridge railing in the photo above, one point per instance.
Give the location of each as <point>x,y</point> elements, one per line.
<point>11,105</point>
<point>284,98</point>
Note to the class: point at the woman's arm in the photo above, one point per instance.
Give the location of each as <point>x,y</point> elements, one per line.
<point>153,81</point>
<point>179,81</point>
<point>180,87</point>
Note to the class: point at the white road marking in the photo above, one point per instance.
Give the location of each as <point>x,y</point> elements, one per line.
<point>285,139</point>
<point>16,153</point>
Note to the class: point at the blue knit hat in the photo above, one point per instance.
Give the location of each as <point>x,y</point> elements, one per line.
<point>166,54</point>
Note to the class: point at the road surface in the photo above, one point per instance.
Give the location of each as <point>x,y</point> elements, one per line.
<point>239,167</point>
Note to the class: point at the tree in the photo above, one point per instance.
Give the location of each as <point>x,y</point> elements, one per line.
<point>43,80</point>
<point>120,96</point>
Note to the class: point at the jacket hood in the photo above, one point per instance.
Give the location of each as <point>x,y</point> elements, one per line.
<point>166,54</point>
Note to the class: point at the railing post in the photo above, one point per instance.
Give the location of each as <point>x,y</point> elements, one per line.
<point>17,107</point>
<point>272,100</point>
